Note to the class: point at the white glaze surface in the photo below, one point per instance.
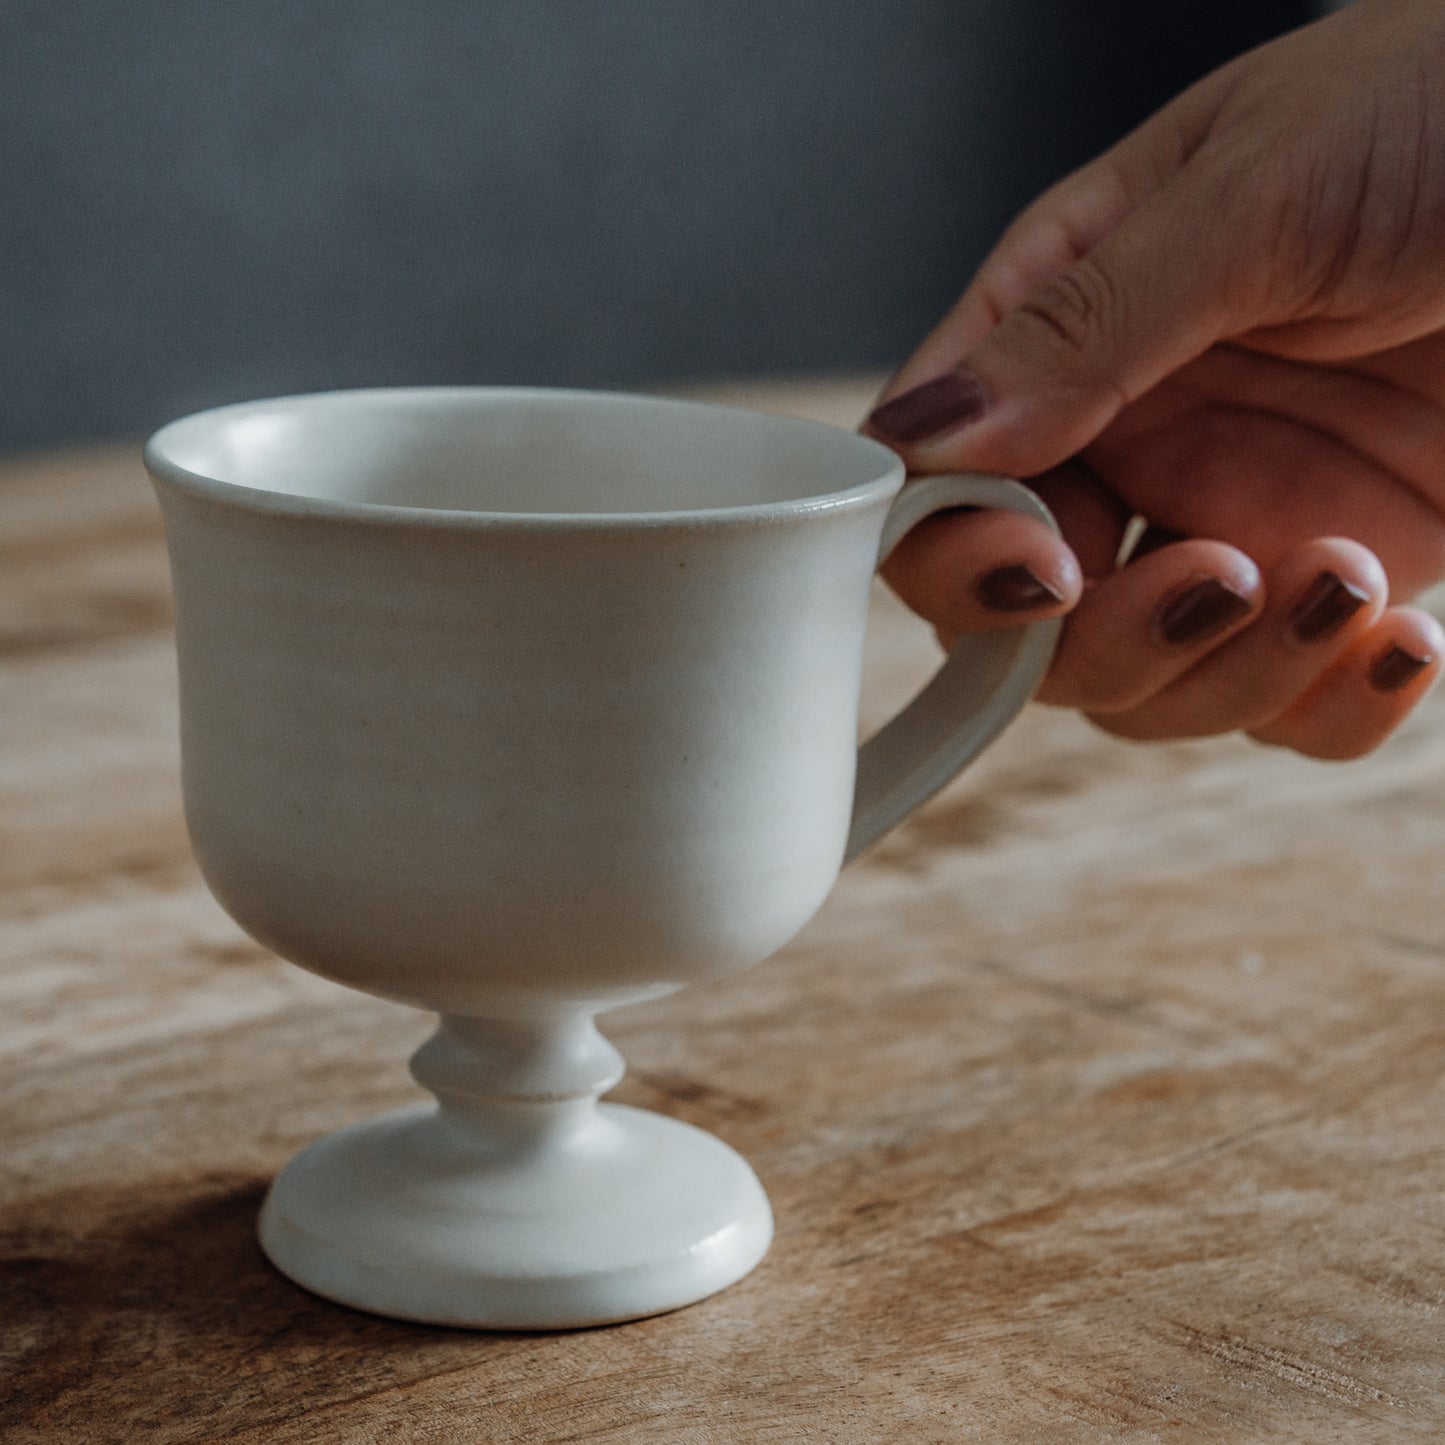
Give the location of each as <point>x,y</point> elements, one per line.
<point>518,706</point>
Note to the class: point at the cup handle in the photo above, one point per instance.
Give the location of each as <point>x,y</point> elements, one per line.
<point>983,683</point>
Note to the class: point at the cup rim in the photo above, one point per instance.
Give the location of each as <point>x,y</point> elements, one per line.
<point>164,468</point>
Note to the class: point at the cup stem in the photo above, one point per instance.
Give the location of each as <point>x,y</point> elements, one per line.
<point>517,1082</point>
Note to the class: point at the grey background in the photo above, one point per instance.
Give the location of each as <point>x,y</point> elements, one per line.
<point>208,201</point>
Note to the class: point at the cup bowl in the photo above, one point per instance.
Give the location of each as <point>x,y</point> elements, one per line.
<point>454,755</point>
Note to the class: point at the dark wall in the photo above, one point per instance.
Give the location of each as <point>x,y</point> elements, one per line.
<point>202,202</point>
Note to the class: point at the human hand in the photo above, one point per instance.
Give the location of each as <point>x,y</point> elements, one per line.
<point>1233,325</point>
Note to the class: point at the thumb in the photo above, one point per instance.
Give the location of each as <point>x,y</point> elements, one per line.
<point>1173,277</point>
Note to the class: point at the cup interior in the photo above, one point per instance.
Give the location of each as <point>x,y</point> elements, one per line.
<point>521,452</point>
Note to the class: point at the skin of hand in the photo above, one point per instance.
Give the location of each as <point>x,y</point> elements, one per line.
<point>1232,324</point>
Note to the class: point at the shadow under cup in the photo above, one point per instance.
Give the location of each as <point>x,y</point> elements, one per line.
<point>508,693</point>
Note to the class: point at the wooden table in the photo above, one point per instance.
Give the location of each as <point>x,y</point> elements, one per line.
<point>1103,1101</point>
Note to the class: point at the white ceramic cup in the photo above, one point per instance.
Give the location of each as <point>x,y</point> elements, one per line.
<point>518,705</point>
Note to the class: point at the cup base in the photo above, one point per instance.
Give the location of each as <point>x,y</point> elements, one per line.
<point>626,1214</point>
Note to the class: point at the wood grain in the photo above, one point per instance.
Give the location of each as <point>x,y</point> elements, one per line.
<point>1102,1102</point>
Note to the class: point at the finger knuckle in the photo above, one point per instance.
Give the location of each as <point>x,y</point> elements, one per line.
<point>1078,308</point>
<point>1093,674</point>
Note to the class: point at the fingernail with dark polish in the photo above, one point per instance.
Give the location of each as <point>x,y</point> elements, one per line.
<point>937,406</point>
<point>1328,603</point>
<point>1397,669</point>
<point>1015,589</point>
<point>1199,612</point>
